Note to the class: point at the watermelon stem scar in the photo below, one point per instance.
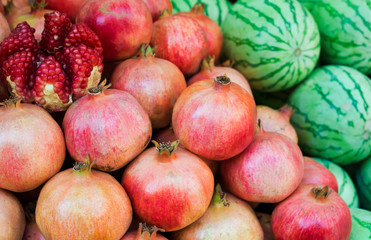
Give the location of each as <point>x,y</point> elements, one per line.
<point>297,52</point>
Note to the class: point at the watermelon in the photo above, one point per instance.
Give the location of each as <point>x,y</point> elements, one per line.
<point>345,27</point>
<point>308,3</point>
<point>347,190</point>
<point>332,114</point>
<point>215,9</point>
<point>361,224</point>
<point>363,181</point>
<point>275,44</point>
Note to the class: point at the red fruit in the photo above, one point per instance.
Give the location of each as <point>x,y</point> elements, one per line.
<point>156,7</point>
<point>214,34</point>
<point>277,121</point>
<point>265,223</point>
<point>209,70</point>
<point>161,83</point>
<point>144,232</point>
<point>12,220</point>
<point>108,124</point>
<point>82,34</point>
<point>4,28</point>
<point>81,203</point>
<point>215,118</point>
<point>268,170</point>
<point>70,7</point>
<point>313,211</point>
<point>316,173</point>
<point>168,187</point>
<point>122,26</point>
<point>32,147</point>
<point>226,218</point>
<point>184,46</point>
<point>32,231</point>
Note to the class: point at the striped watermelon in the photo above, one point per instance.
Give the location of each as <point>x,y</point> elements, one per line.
<point>215,9</point>
<point>345,27</point>
<point>347,190</point>
<point>275,44</point>
<point>332,114</point>
<point>308,3</point>
<point>361,224</point>
<point>363,181</point>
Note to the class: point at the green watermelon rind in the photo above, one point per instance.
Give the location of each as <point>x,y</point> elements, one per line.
<point>274,44</point>
<point>363,182</point>
<point>332,114</point>
<point>346,188</point>
<point>361,224</point>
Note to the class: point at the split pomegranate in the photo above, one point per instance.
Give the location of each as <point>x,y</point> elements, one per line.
<point>215,118</point>
<point>4,28</point>
<point>12,220</point>
<point>212,30</point>
<point>226,218</point>
<point>81,203</point>
<point>144,232</point>
<point>70,7</point>
<point>313,211</point>
<point>108,124</point>
<point>156,7</point>
<point>122,26</point>
<point>277,120</point>
<point>155,83</point>
<point>209,70</point>
<point>316,173</point>
<point>184,46</point>
<point>268,170</point>
<point>168,187</point>
<point>32,147</point>
<point>68,63</point>
<point>32,231</point>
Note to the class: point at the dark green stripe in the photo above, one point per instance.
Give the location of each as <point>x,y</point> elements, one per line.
<point>175,7</point>
<point>317,88</point>
<point>365,22</point>
<point>364,224</point>
<point>255,46</point>
<point>278,10</point>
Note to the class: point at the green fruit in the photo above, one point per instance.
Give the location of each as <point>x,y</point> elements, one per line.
<point>308,3</point>
<point>275,44</point>
<point>347,191</point>
<point>361,224</point>
<point>345,27</point>
<point>363,181</point>
<point>332,114</point>
<point>214,9</point>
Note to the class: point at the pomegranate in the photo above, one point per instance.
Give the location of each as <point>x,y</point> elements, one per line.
<point>167,135</point>
<point>108,124</point>
<point>15,8</point>
<point>184,46</point>
<point>268,170</point>
<point>226,218</point>
<point>122,26</point>
<point>156,7</point>
<point>277,120</point>
<point>313,211</point>
<point>144,232</point>
<point>32,147</point>
<point>4,28</point>
<point>209,70</point>
<point>265,223</point>
<point>81,203</point>
<point>168,187</point>
<point>70,7</point>
<point>316,173</point>
<point>35,18</point>
<point>212,30</point>
<point>215,118</point>
<point>32,231</point>
<point>12,220</point>
<point>155,83</point>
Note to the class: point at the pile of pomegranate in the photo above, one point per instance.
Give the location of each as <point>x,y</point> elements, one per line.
<point>164,143</point>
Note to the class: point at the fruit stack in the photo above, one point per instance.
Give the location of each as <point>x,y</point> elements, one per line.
<point>185,119</point>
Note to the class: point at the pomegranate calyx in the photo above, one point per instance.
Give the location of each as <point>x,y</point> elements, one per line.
<point>99,89</point>
<point>220,196</point>
<point>147,51</point>
<point>223,80</point>
<point>84,166</point>
<point>198,8</point>
<point>208,63</point>
<point>38,5</point>
<point>321,192</point>
<point>164,14</point>
<point>12,102</point>
<point>286,111</point>
<point>260,126</point>
<point>166,147</point>
<point>228,63</point>
<point>147,232</point>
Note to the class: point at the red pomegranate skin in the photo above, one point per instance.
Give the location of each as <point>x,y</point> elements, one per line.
<point>154,82</point>
<point>170,192</point>
<point>4,31</point>
<point>156,7</point>
<point>275,121</point>
<point>303,217</point>
<point>268,170</point>
<point>111,127</point>
<point>214,121</point>
<point>316,173</point>
<point>32,147</point>
<point>184,46</point>
<point>70,7</point>
<point>143,234</point>
<point>12,219</point>
<point>122,26</point>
